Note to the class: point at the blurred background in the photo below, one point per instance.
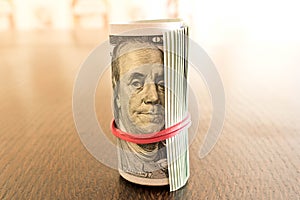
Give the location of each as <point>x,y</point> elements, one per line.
<point>215,20</point>
<point>68,14</point>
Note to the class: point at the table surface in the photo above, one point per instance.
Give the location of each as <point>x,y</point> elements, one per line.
<point>257,155</point>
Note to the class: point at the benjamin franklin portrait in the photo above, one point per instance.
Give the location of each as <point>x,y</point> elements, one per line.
<point>139,95</point>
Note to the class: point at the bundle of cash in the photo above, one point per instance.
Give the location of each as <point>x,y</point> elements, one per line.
<point>149,79</point>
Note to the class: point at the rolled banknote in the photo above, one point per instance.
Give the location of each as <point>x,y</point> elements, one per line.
<point>139,95</point>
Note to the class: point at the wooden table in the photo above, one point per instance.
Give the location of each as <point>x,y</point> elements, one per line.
<point>41,156</point>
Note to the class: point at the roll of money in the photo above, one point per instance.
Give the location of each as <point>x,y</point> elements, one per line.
<point>149,80</point>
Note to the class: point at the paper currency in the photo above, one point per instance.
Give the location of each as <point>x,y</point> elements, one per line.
<point>149,79</point>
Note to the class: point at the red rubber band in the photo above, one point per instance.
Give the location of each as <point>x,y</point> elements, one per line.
<point>151,137</point>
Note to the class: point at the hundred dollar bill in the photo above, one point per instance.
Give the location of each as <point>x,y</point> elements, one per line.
<point>138,69</point>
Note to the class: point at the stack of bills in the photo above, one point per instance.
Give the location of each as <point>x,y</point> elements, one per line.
<point>149,78</point>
